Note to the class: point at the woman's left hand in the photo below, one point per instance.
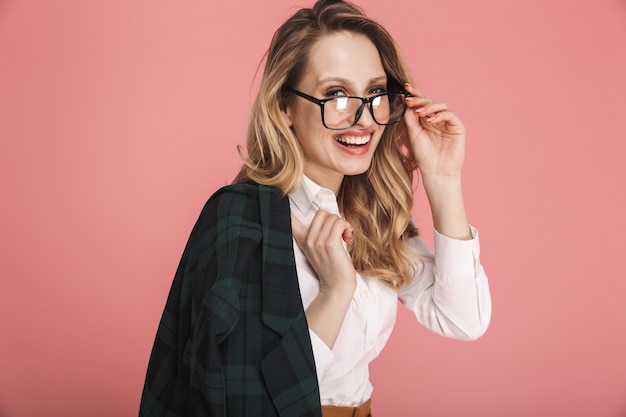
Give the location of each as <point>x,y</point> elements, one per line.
<point>437,136</point>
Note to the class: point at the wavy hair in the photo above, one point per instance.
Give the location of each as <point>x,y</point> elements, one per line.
<point>378,202</point>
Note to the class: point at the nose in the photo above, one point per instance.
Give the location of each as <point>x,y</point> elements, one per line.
<point>364,116</point>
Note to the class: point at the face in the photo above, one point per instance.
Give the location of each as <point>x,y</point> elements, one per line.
<point>339,64</point>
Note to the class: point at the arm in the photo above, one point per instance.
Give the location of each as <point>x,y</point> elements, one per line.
<point>451,295</point>
<point>437,140</point>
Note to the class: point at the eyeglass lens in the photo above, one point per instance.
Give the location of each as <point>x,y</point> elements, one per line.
<point>341,112</point>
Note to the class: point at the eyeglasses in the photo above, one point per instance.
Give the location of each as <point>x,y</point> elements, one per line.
<point>343,112</point>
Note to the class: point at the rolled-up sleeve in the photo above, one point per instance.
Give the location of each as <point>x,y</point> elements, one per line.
<point>323,355</point>
<point>450,292</point>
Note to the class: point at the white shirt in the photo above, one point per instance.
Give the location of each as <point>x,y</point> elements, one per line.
<point>449,296</point>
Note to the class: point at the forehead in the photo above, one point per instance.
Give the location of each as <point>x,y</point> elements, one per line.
<point>345,55</point>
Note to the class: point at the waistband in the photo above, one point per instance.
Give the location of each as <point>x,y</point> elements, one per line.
<point>363,410</point>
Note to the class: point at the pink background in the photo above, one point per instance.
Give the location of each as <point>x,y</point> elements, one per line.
<point>118,118</point>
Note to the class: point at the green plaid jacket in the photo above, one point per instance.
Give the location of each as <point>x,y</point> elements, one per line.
<point>233,339</point>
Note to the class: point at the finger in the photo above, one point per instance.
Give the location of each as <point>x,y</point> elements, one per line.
<point>347,233</point>
<point>343,229</point>
<point>316,229</point>
<point>331,230</point>
<point>431,109</point>
<point>444,116</point>
<point>327,228</point>
<point>417,102</point>
<point>298,230</point>
<point>414,91</point>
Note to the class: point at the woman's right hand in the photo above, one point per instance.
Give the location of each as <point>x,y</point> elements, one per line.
<point>322,244</point>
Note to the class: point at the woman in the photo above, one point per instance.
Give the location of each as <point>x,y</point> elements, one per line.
<point>289,283</point>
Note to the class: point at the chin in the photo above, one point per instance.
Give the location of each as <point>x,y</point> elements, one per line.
<point>356,171</point>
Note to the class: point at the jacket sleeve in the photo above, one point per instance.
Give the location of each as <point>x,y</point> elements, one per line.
<point>178,381</point>
<point>166,386</point>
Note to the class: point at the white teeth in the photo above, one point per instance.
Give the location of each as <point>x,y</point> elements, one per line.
<point>353,140</point>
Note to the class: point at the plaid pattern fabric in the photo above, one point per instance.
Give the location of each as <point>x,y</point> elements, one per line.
<point>233,339</point>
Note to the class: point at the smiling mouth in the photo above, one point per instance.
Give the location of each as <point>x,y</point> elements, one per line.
<point>353,141</point>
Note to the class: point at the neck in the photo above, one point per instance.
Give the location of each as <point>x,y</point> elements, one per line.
<point>331,182</point>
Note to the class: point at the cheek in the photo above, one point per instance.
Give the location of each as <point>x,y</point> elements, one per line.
<point>308,128</point>
<point>379,136</point>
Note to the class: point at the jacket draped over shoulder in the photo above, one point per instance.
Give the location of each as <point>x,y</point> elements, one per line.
<point>233,339</point>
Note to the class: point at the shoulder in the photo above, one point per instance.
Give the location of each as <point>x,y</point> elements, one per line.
<point>228,230</point>
<point>237,199</point>
<point>245,193</point>
<point>245,204</point>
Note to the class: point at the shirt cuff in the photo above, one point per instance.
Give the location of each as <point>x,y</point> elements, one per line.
<point>455,258</point>
<point>322,354</point>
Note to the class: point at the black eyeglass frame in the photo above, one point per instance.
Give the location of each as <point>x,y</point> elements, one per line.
<point>359,111</point>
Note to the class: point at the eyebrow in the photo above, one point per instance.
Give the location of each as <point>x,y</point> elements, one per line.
<point>349,82</point>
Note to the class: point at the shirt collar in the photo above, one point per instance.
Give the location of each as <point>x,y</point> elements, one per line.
<point>310,197</point>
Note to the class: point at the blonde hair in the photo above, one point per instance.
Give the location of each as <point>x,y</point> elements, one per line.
<point>378,202</point>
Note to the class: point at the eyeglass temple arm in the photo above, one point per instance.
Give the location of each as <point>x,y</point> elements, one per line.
<point>306,96</point>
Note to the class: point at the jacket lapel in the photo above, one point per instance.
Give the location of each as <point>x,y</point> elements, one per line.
<point>282,303</point>
<point>289,369</point>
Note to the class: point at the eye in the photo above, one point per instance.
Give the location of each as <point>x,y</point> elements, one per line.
<point>335,92</point>
<point>376,90</point>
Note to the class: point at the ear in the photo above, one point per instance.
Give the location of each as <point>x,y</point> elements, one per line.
<point>286,112</point>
